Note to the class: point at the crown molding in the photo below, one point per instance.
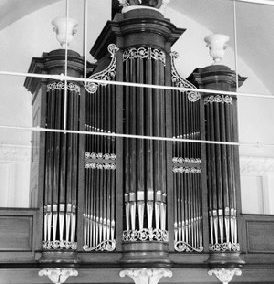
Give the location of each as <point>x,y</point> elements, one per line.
<point>251,165</point>
<point>15,153</point>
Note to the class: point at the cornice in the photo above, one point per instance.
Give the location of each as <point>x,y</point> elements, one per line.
<point>15,153</point>
<point>251,165</point>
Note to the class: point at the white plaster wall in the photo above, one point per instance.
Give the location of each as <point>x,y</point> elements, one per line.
<point>257,185</point>
<point>14,175</point>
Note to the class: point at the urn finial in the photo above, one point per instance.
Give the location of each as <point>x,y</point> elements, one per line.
<point>63,26</point>
<point>217,44</point>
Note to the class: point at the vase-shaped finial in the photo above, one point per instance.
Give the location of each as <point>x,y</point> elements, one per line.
<point>217,44</point>
<point>65,29</point>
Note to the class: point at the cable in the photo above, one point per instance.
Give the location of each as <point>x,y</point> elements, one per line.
<point>138,85</point>
<point>141,137</point>
<point>85,37</point>
<point>66,68</point>
<point>259,2</point>
<point>235,45</point>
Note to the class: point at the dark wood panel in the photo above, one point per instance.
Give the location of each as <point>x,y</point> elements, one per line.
<point>16,232</point>
<point>260,236</point>
<point>257,233</point>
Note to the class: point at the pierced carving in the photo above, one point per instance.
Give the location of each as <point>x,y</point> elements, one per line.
<point>145,235</point>
<point>58,275</point>
<point>145,275</point>
<point>100,166</point>
<point>180,160</point>
<point>223,247</point>
<point>185,247</point>
<point>218,99</point>
<point>59,245</point>
<point>97,156</point>
<point>225,275</point>
<point>186,170</point>
<point>145,52</point>
<point>61,86</point>
<point>182,82</point>
<point>107,74</point>
<point>107,245</point>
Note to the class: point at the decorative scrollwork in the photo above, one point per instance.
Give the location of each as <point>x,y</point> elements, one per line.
<point>100,166</point>
<point>186,160</point>
<point>145,235</point>
<point>182,82</point>
<point>107,74</point>
<point>59,245</point>
<point>107,245</point>
<point>61,86</point>
<point>225,275</point>
<point>97,156</point>
<point>225,247</point>
<point>218,99</point>
<point>186,170</point>
<point>146,275</point>
<point>58,275</point>
<point>145,52</point>
<point>185,247</point>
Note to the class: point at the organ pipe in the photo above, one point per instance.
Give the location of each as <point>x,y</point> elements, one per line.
<point>222,176</point>
<point>186,166</point>
<point>61,166</point>
<point>145,161</point>
<point>100,162</point>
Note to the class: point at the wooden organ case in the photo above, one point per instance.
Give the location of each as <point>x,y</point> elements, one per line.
<point>143,202</point>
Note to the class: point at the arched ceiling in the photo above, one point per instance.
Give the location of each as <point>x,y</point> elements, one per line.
<point>13,10</point>
<point>254,22</point>
<point>255,38</point>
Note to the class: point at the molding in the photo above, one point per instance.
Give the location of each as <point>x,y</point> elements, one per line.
<point>15,153</point>
<point>145,275</point>
<point>58,275</point>
<point>225,275</point>
<point>251,165</point>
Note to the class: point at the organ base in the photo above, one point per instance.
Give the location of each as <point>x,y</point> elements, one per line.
<point>153,254</point>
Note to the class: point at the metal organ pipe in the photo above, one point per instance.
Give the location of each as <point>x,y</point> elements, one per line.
<point>61,162</point>
<point>100,162</point>
<point>186,166</point>
<point>220,125</point>
<point>145,161</point>
<point>222,210</point>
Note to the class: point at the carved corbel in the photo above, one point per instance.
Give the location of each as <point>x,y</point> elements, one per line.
<point>58,275</point>
<point>225,275</point>
<point>145,275</point>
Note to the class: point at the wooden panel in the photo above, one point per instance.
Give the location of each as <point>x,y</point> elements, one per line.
<point>259,234</point>
<point>16,233</point>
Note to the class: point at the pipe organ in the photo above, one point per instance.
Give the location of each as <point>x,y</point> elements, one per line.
<point>144,198</point>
